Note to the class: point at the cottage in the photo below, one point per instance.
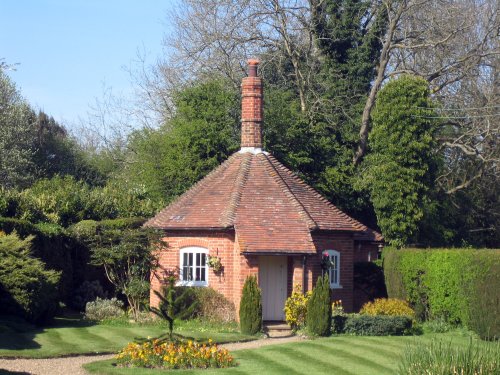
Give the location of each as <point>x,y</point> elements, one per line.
<point>257,217</point>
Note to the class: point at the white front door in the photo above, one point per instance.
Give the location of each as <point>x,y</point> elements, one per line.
<point>273,281</point>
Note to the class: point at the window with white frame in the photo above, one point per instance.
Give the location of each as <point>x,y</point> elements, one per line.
<point>193,266</point>
<point>331,261</point>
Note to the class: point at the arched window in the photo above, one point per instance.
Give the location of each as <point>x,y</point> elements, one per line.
<point>331,264</point>
<point>193,266</point>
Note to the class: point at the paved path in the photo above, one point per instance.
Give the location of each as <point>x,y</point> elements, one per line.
<point>73,365</point>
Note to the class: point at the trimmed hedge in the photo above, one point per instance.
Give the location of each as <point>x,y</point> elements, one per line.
<point>459,286</point>
<point>377,325</point>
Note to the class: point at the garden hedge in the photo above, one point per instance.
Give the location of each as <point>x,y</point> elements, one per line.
<point>458,285</point>
<point>377,325</point>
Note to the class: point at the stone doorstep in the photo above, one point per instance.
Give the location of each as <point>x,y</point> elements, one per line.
<point>277,329</point>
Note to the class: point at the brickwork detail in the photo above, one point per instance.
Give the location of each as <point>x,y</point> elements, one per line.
<point>252,113</point>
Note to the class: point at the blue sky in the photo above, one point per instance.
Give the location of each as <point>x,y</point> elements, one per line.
<point>68,49</point>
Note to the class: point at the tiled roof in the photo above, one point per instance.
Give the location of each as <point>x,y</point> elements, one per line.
<point>270,208</point>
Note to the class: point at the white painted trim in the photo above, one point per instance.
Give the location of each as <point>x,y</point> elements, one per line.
<point>193,250</point>
<point>253,150</point>
<point>336,253</point>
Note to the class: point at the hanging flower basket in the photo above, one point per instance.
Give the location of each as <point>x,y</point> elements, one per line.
<point>326,262</point>
<point>214,263</point>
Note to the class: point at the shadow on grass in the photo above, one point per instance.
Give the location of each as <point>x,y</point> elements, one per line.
<point>7,372</point>
<point>18,334</point>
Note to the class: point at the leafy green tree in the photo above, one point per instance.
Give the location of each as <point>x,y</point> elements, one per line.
<point>17,168</point>
<point>399,171</point>
<point>201,135</point>
<point>127,256</point>
<point>251,307</point>
<point>319,308</point>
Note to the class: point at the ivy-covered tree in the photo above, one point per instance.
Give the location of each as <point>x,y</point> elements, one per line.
<point>399,171</point>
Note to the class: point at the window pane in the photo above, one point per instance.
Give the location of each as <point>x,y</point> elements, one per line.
<point>203,274</point>
<point>190,259</point>
<point>198,259</point>
<point>203,260</point>
<point>185,259</point>
<point>198,273</point>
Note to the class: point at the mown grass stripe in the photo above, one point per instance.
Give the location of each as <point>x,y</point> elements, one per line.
<point>301,352</point>
<point>360,360</point>
<point>95,338</point>
<point>373,347</point>
<point>273,365</point>
<point>58,344</point>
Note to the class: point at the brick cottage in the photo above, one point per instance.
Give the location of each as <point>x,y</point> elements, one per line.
<point>259,218</point>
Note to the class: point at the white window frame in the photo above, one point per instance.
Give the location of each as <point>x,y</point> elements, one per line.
<point>192,250</point>
<point>335,284</point>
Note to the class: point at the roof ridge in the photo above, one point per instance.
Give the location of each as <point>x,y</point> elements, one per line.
<point>229,214</point>
<point>288,192</point>
<point>195,188</point>
<point>297,179</point>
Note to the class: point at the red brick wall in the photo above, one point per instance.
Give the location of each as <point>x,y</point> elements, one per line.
<point>344,244</point>
<point>236,267</point>
<point>365,251</point>
<point>219,244</point>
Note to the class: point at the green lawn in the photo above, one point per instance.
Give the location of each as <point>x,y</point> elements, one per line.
<point>75,336</point>
<point>340,355</point>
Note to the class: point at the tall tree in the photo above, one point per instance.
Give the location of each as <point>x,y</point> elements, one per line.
<point>401,166</point>
<point>17,168</point>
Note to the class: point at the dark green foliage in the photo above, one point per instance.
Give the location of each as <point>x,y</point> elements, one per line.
<point>456,285</point>
<point>368,282</point>
<point>319,308</point>
<point>127,258</point>
<point>88,291</point>
<point>251,307</point>
<point>27,287</point>
<point>400,169</point>
<point>377,325</point>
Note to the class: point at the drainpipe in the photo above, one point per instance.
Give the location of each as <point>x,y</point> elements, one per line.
<point>304,274</point>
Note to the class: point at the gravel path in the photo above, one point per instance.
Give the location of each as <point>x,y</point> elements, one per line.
<point>73,365</point>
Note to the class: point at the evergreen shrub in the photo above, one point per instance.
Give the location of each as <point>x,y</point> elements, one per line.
<point>377,325</point>
<point>319,308</point>
<point>251,307</point>
<point>101,309</point>
<point>27,287</point>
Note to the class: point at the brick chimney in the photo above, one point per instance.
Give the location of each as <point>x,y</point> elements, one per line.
<point>251,110</point>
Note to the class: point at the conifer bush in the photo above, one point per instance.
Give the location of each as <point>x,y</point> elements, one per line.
<point>319,308</point>
<point>251,307</point>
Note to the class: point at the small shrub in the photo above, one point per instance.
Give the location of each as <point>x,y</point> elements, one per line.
<point>251,307</point>
<point>88,291</point>
<point>296,308</point>
<point>101,309</point>
<point>27,287</point>
<point>339,317</point>
<point>174,355</point>
<point>443,358</point>
<point>378,325</point>
<point>319,308</point>
<point>214,307</point>
<point>387,306</point>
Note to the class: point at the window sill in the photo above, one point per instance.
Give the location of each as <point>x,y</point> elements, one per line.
<point>192,283</point>
<point>335,286</point>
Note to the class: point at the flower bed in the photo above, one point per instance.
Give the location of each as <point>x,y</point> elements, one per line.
<point>174,355</point>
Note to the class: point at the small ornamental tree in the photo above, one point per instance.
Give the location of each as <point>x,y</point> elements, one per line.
<point>319,308</point>
<point>168,308</point>
<point>251,307</point>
